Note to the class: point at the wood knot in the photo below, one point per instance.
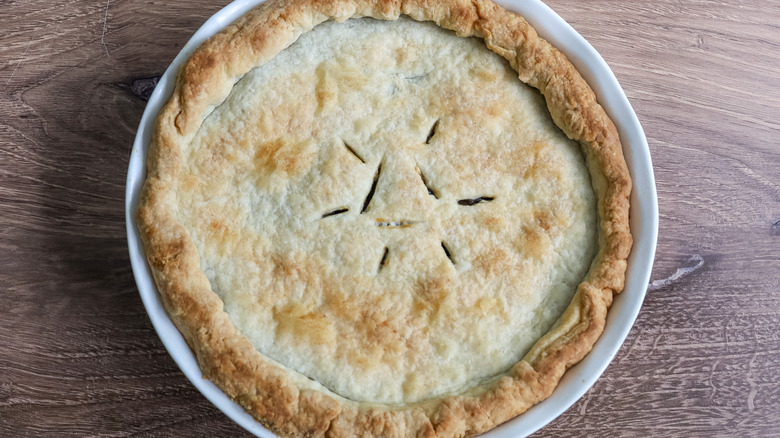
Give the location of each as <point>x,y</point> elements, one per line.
<point>144,87</point>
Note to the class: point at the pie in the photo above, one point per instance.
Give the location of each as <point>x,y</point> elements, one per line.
<point>385,218</point>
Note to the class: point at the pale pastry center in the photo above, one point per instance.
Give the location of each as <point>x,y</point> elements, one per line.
<point>387,210</point>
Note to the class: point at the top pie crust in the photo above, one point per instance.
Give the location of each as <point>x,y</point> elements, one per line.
<point>378,232</point>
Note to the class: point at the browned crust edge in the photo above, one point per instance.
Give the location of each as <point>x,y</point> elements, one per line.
<point>266,390</point>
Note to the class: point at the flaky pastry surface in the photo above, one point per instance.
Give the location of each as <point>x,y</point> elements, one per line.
<point>366,228</point>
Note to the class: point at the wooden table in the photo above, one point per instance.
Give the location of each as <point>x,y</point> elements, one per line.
<point>78,355</point>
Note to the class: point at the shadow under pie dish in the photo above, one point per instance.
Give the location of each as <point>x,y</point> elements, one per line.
<point>364,222</point>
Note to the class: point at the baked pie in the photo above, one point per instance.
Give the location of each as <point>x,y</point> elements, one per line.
<point>385,218</point>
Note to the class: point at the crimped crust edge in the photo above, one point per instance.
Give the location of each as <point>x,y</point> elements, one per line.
<point>267,391</point>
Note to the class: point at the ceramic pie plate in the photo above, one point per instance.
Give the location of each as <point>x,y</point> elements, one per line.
<point>644,220</point>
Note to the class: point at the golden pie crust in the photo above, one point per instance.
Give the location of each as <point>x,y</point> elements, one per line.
<point>285,401</point>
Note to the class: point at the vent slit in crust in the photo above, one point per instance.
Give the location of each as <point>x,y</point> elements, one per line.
<point>370,195</point>
<point>431,190</point>
<point>353,152</point>
<point>432,132</point>
<point>404,223</point>
<point>383,261</point>
<point>475,201</point>
<point>447,252</point>
<point>335,212</point>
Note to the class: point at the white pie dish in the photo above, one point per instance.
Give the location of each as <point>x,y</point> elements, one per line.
<point>644,222</point>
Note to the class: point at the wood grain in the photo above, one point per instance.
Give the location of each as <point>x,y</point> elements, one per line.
<point>78,356</point>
